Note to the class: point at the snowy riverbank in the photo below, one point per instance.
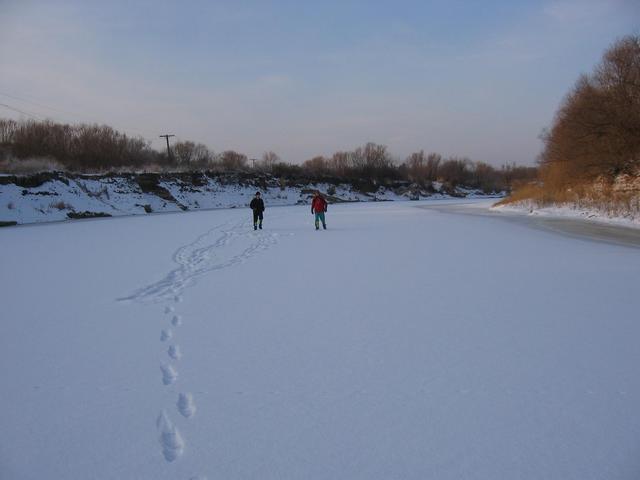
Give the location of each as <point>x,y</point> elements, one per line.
<point>604,200</point>
<point>570,211</point>
<point>59,196</point>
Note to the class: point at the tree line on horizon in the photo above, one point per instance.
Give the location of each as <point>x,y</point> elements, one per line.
<point>32,145</point>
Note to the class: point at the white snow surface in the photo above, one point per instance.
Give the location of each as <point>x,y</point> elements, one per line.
<point>569,211</point>
<point>402,342</point>
<point>116,196</point>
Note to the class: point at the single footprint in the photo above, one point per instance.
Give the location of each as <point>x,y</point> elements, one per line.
<point>170,439</point>
<point>177,298</point>
<point>176,321</point>
<point>169,374</point>
<point>169,309</point>
<point>166,335</point>
<point>186,407</point>
<point>174,352</point>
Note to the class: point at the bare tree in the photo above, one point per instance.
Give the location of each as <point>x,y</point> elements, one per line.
<point>232,160</point>
<point>433,163</point>
<point>7,131</point>
<point>191,155</point>
<point>316,165</point>
<point>268,160</point>
<point>340,163</point>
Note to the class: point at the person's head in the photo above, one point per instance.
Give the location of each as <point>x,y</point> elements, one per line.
<point>257,194</point>
<point>316,193</point>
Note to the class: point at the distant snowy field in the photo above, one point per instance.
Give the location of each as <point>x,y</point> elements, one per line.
<point>400,343</point>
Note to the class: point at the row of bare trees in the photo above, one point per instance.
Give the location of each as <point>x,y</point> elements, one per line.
<point>373,161</point>
<point>76,147</point>
<point>596,131</point>
<point>197,156</point>
<point>369,161</point>
<point>96,148</point>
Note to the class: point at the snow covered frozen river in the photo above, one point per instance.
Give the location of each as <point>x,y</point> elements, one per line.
<point>403,342</point>
<point>580,228</point>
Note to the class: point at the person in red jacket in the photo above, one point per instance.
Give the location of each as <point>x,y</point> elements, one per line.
<point>318,208</point>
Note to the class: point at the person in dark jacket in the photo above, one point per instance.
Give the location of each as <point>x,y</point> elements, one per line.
<point>257,205</point>
<point>318,208</point>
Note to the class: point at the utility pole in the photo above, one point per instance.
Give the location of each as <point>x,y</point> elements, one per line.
<point>166,137</point>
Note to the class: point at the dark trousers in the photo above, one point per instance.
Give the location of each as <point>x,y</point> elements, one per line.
<point>257,216</point>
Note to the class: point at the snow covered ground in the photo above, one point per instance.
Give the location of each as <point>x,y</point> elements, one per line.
<point>118,196</point>
<point>402,342</point>
<point>570,211</point>
<point>62,196</point>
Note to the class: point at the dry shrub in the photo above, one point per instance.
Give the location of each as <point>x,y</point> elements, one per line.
<point>529,192</point>
<point>618,198</point>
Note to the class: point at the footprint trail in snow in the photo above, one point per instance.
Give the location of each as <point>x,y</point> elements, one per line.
<point>221,247</point>
<point>186,406</point>
<point>174,352</point>
<point>169,374</point>
<point>170,439</point>
<point>214,250</point>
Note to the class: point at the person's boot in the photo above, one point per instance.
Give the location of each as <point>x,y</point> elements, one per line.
<point>255,227</point>
<point>317,226</point>
<point>324,226</point>
<point>260,226</point>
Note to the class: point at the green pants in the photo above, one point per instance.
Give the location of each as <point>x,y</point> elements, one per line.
<point>320,218</point>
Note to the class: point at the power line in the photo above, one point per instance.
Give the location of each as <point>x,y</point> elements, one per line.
<point>41,105</point>
<point>72,114</point>
<point>33,103</point>
<point>21,111</point>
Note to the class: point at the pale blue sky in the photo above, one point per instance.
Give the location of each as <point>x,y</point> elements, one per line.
<point>467,78</point>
